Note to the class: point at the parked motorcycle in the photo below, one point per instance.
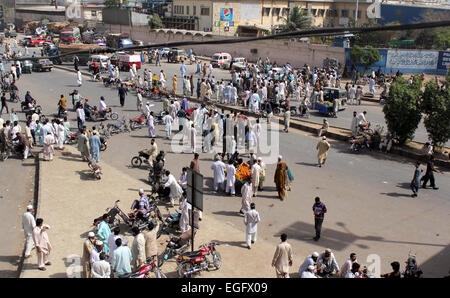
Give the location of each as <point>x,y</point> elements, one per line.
<point>144,272</point>
<point>72,138</point>
<point>96,169</point>
<point>117,127</point>
<point>138,123</point>
<point>176,246</point>
<point>172,221</point>
<point>110,82</point>
<point>113,220</point>
<point>14,96</point>
<point>189,263</point>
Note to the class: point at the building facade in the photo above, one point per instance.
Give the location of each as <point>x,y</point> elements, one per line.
<point>224,17</point>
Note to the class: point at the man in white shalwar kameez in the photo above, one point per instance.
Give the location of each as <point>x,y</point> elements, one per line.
<point>246,192</point>
<point>49,140</point>
<point>101,269</point>
<point>175,189</point>
<point>28,224</point>
<point>186,210</point>
<point>168,120</point>
<point>60,132</point>
<point>192,136</point>
<point>218,168</point>
<point>251,219</point>
<point>256,171</point>
<point>231,179</point>
<point>79,79</point>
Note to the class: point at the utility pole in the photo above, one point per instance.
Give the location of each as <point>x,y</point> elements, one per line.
<point>356,12</point>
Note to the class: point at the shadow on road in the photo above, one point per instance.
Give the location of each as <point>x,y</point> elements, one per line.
<point>337,239</point>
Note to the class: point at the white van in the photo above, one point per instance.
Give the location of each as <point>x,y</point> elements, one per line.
<point>218,59</point>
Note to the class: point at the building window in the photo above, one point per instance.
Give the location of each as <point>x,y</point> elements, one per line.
<point>204,11</point>
<point>344,13</point>
<point>266,11</point>
<point>314,12</point>
<point>93,13</point>
<point>194,10</point>
<point>321,12</point>
<point>276,11</point>
<point>178,9</point>
<point>285,12</point>
<point>187,10</point>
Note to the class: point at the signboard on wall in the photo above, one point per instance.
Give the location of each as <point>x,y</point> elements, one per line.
<point>250,11</point>
<point>226,14</point>
<point>412,59</point>
<point>444,60</point>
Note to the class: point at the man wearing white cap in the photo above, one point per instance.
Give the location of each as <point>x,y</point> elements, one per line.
<point>309,261</point>
<point>309,273</point>
<point>323,146</point>
<point>87,248</point>
<point>42,243</point>
<point>218,168</point>
<point>28,224</point>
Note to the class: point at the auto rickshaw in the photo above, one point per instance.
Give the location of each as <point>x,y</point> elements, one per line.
<point>27,66</point>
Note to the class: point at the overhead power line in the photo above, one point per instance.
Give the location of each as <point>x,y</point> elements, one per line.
<point>298,34</point>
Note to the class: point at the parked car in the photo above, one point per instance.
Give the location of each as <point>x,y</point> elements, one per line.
<point>218,59</point>
<point>42,65</point>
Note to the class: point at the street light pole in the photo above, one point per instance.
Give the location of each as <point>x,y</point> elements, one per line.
<point>356,12</point>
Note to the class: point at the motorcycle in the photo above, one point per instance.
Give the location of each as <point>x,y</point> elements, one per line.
<point>62,112</point>
<point>14,96</point>
<point>189,263</point>
<point>136,123</point>
<point>72,138</point>
<point>175,246</point>
<point>117,127</point>
<point>144,272</point>
<point>359,143</point>
<point>110,81</point>
<point>105,115</point>
<point>112,213</point>
<point>96,169</point>
<point>96,77</point>
<point>136,161</point>
<point>172,221</point>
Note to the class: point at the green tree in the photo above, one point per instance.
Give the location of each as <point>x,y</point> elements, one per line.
<point>298,20</point>
<point>379,39</point>
<point>433,38</point>
<point>436,106</point>
<point>366,56</point>
<point>155,22</point>
<point>402,110</point>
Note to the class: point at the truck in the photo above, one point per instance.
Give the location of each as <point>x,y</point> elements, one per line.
<point>125,61</point>
<point>118,40</point>
<point>70,35</point>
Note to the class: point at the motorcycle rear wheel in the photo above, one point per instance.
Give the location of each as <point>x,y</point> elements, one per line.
<point>160,274</point>
<point>103,147</point>
<point>136,162</point>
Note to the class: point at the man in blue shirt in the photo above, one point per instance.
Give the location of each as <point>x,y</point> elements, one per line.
<point>121,262</point>
<point>319,210</point>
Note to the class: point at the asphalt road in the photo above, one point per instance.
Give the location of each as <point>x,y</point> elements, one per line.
<point>368,196</point>
<point>370,210</point>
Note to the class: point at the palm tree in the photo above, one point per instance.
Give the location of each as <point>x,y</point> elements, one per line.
<point>297,20</point>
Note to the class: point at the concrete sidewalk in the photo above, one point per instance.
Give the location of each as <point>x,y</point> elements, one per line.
<point>70,199</point>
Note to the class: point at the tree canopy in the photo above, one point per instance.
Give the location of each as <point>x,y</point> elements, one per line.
<point>298,20</point>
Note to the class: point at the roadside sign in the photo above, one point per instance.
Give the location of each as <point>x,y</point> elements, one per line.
<point>195,189</point>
